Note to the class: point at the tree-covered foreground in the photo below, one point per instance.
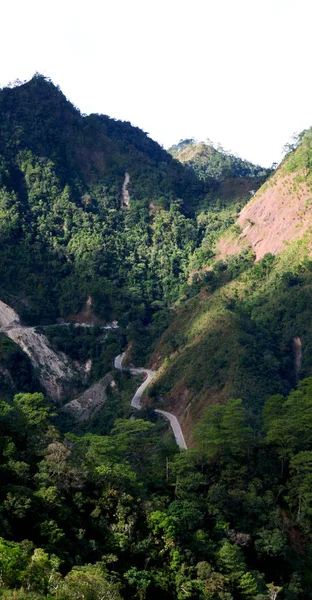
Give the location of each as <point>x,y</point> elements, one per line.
<point>127,515</point>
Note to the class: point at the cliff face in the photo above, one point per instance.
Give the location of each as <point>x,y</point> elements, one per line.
<point>54,370</point>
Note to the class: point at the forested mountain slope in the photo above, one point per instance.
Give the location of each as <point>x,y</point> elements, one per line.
<point>93,209</point>
<point>236,178</point>
<point>236,336</point>
<point>98,222</point>
<point>65,232</point>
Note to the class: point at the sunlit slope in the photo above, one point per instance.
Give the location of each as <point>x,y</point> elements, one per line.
<point>235,338</point>
<point>281,210</point>
<point>231,179</point>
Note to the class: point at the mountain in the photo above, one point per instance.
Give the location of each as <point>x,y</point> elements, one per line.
<point>208,161</point>
<point>210,280</point>
<point>236,179</point>
<point>238,336</point>
<point>67,182</point>
<point>280,211</point>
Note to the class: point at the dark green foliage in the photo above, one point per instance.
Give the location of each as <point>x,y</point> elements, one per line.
<point>16,373</point>
<point>125,516</point>
<point>84,343</point>
<point>63,236</point>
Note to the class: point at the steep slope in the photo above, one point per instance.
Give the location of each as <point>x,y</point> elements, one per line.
<point>238,336</point>
<point>281,210</point>
<point>83,200</point>
<point>55,373</point>
<point>92,209</point>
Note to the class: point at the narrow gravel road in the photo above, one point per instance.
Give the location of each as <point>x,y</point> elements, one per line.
<point>136,400</point>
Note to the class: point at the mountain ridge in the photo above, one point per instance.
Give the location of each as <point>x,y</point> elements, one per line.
<point>96,502</point>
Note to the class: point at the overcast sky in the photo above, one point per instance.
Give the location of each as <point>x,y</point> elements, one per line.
<point>235,71</point>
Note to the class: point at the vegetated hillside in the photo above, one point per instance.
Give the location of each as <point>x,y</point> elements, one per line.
<point>90,206</point>
<point>235,337</point>
<point>84,202</point>
<point>237,178</point>
<point>208,161</point>
<point>93,210</point>
<point>111,508</point>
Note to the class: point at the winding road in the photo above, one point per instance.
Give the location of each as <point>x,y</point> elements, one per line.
<point>56,370</point>
<point>136,400</point>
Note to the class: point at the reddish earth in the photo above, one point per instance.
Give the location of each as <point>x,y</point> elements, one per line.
<point>279,214</point>
<point>86,315</point>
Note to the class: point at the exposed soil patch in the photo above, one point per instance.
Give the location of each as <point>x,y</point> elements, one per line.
<point>86,315</point>
<point>281,213</point>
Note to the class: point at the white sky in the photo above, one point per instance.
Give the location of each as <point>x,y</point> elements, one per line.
<point>236,71</point>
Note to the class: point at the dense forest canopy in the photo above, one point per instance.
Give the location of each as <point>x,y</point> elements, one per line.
<point>63,235</point>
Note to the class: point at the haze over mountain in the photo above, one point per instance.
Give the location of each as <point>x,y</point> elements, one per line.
<point>204,259</point>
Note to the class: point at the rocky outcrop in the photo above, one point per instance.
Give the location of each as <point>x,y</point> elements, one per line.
<point>54,370</point>
<point>90,402</point>
<point>125,197</point>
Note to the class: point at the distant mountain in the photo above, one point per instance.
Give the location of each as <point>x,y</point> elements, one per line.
<point>207,161</point>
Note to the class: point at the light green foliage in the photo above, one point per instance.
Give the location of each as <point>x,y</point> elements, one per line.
<point>299,155</point>
<point>271,542</point>
<point>231,560</point>
<point>33,408</point>
<point>209,161</point>
<point>89,582</point>
<point>290,427</point>
<point>140,580</point>
<point>248,585</point>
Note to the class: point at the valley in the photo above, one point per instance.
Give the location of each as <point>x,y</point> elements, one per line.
<point>55,373</point>
<point>197,264</point>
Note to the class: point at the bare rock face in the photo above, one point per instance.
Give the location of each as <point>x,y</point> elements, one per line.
<point>90,402</point>
<point>86,317</point>
<point>297,345</point>
<point>278,215</point>
<point>8,317</point>
<point>125,196</point>
<point>54,369</point>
